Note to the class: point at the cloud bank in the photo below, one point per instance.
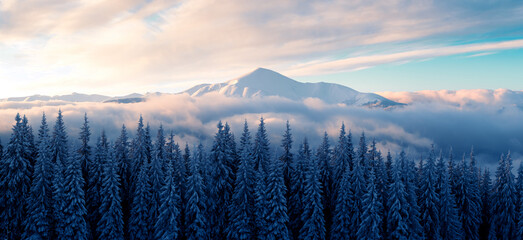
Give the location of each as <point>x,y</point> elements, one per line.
<point>491,130</point>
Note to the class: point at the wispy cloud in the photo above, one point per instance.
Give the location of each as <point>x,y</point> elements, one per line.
<point>173,44</point>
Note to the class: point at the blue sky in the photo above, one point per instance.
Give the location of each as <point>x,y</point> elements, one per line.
<point>120,47</point>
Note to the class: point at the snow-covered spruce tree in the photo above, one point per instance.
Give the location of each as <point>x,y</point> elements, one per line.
<point>370,227</point>
<point>94,182</point>
<point>287,158</point>
<point>323,156</point>
<point>276,218</point>
<point>260,151</point>
<point>519,187</point>
<point>220,186</point>
<point>110,225</point>
<point>260,204</point>
<point>16,178</point>
<point>242,202</point>
<point>84,151</point>
<point>381,182</point>
<point>138,222</point>
<point>341,158</point>
<point>30,150</point>
<point>187,158</point>
<point>409,178</point>
<point>429,199</point>
<point>450,224</point>
<point>233,158</point>
<point>397,214</point>
<point>486,212</point>
<point>155,184</point>
<point>468,201</point>
<point>504,216</point>
<point>139,153</point>
<point>59,156</point>
<point>122,158</point>
<point>167,225</point>
<point>358,186</point>
<point>296,204</point>
<point>312,215</point>
<point>195,220</point>
<point>39,212</point>
<point>362,156</point>
<point>3,190</point>
<point>341,222</point>
<point>74,210</point>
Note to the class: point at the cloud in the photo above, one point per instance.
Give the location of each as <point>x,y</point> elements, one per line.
<point>491,130</point>
<point>137,45</point>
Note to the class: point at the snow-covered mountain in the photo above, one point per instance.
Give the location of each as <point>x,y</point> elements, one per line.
<point>264,82</point>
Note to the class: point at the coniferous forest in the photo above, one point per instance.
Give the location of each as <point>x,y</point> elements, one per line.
<point>150,187</point>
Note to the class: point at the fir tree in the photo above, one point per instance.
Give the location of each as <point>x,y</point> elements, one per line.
<point>39,218</point>
<point>167,225</point>
<point>111,225</point>
<point>84,152</point>
<point>138,223</point>
<point>450,225</point>
<point>358,188</point>
<point>370,227</point>
<point>220,188</point>
<point>296,202</point>
<point>409,180</point>
<point>121,155</point>
<point>504,218</point>
<point>323,156</point>
<point>261,154</point>
<point>312,216</point>
<point>341,222</point>
<point>16,178</point>
<point>276,217</point>
<point>196,225</point>
<point>342,157</point>
<point>287,158</point>
<point>467,199</point>
<point>486,212</point>
<point>397,214</point>
<point>74,211</point>
<point>242,202</point>
<point>155,185</point>
<point>94,182</point>
<point>429,199</point>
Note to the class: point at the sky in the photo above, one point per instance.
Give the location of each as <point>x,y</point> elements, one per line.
<point>120,47</point>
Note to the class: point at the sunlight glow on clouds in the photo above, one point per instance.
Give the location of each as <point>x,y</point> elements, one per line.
<point>122,46</point>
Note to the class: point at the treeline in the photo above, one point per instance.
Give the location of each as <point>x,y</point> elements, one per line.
<point>142,188</point>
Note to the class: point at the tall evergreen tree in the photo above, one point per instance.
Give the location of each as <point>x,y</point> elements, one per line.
<point>84,152</point>
<point>242,202</point>
<point>312,216</point>
<point>287,158</point>
<point>139,152</point>
<point>59,154</point>
<point>429,199</point>
<point>504,217</point>
<point>342,157</point>
<point>323,156</point>
<point>467,199</point>
<point>94,182</point>
<point>409,180</point>
<point>123,161</point>
<point>358,188</point>
<point>16,178</point>
<point>220,187</point>
<point>138,222</point>
<point>74,210</point>
<point>486,212</point>
<point>341,222</point>
<point>111,225</point>
<point>397,214</point>
<point>39,218</point>
<point>370,227</point>
<point>167,225</point>
<point>450,225</point>
<point>296,202</point>
<point>276,217</point>
<point>261,154</point>
<point>156,183</point>
<point>195,220</point>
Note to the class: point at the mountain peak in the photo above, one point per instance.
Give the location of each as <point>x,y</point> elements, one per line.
<point>261,76</point>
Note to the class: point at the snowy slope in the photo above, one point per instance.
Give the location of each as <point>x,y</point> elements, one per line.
<point>264,82</point>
